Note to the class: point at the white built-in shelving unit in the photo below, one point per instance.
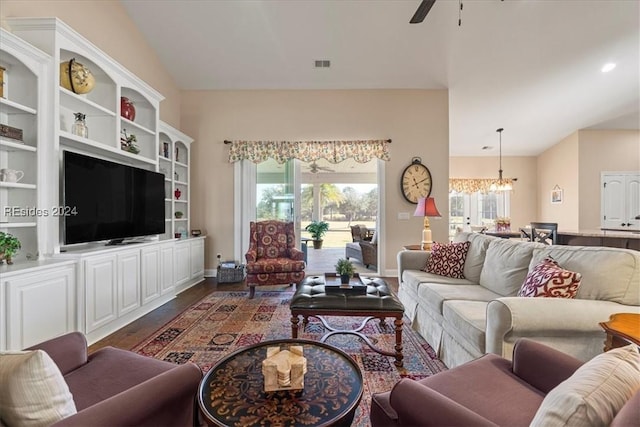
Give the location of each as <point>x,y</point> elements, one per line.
<point>101,106</point>
<point>89,288</point>
<point>174,160</point>
<point>23,106</point>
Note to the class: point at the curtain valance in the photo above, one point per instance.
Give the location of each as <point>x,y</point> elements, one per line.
<point>362,151</point>
<point>472,185</point>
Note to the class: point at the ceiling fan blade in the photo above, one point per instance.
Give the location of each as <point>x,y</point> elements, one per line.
<point>422,11</point>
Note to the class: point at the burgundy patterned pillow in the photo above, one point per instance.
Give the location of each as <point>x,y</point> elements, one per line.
<point>549,280</point>
<point>448,259</point>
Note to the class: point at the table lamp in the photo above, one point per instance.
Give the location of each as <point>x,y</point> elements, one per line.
<point>426,208</point>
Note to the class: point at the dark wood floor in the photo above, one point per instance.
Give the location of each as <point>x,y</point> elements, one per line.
<point>138,330</point>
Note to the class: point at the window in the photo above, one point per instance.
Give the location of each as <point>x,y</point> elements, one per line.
<point>477,209</point>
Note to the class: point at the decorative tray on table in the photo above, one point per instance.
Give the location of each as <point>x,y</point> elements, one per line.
<point>333,286</point>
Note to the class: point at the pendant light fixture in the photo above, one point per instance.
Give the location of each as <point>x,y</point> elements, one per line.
<point>501,184</point>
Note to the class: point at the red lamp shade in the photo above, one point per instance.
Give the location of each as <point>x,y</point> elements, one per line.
<point>427,207</point>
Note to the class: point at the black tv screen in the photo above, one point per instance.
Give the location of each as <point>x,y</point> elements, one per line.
<point>104,200</point>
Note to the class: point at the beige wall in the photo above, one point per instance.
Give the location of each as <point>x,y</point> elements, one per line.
<point>559,165</point>
<point>603,151</point>
<point>107,25</point>
<point>416,120</point>
<point>523,204</point>
<point>575,165</point>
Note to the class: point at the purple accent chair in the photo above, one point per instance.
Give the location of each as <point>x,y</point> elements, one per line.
<point>273,258</point>
<point>114,387</point>
<point>488,391</point>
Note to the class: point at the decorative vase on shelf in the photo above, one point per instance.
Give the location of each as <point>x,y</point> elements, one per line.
<point>177,193</point>
<point>76,77</point>
<point>79,127</point>
<point>127,109</point>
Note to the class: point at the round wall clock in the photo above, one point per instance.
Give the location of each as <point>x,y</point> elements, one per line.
<point>415,181</point>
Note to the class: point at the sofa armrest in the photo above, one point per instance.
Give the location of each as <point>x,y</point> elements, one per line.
<point>168,399</point>
<point>418,405</point>
<point>411,260</point>
<point>570,325</point>
<point>68,351</point>
<point>541,366</point>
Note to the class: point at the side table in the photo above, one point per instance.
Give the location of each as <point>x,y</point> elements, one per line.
<point>622,329</point>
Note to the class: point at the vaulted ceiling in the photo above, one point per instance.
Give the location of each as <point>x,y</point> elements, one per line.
<point>532,67</point>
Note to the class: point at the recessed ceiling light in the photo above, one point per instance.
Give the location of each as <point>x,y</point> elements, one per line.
<point>608,67</point>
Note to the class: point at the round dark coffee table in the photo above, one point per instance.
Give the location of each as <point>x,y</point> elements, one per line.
<point>232,392</point>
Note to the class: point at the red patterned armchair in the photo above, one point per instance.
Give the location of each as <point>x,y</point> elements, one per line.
<point>272,258</point>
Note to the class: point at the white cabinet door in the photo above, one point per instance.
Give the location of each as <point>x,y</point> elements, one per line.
<point>151,273</point>
<point>40,306</point>
<point>167,282</point>
<point>197,258</point>
<point>633,201</point>
<point>182,264</point>
<point>101,291</point>
<point>620,201</point>
<point>613,201</point>
<point>128,281</point>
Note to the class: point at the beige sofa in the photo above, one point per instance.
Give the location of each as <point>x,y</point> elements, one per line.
<point>463,319</point>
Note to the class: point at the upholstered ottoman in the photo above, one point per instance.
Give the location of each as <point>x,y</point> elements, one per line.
<point>311,299</point>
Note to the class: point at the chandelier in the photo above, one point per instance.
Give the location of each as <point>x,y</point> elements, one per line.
<point>501,184</point>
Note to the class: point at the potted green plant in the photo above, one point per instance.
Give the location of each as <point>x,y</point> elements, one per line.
<point>128,142</point>
<point>345,269</point>
<point>9,245</point>
<point>179,214</point>
<point>317,230</point>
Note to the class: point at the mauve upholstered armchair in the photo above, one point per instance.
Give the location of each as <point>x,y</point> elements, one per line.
<point>114,387</point>
<point>272,258</point>
<point>488,391</point>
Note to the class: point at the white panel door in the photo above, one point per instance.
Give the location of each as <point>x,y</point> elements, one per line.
<point>182,263</point>
<point>633,201</point>
<point>101,291</point>
<point>40,306</point>
<point>150,265</point>
<point>613,201</point>
<point>197,258</point>
<point>128,281</point>
<point>167,282</point>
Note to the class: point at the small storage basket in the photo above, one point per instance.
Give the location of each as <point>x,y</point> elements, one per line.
<point>231,274</point>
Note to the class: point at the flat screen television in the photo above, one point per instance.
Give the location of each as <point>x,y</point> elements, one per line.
<point>104,200</point>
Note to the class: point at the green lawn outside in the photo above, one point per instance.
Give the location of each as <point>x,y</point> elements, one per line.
<point>339,232</point>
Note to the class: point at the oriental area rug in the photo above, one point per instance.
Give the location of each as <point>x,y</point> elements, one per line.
<point>224,322</point>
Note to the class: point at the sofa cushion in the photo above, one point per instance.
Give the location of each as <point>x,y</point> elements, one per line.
<point>434,295</point>
<point>619,269</point>
<point>415,278</point>
<point>483,384</point>
<point>549,280</point>
<point>33,391</point>
<point>111,371</point>
<point>506,266</point>
<point>468,319</point>
<point>595,393</point>
<point>476,253</point>
<point>448,259</point>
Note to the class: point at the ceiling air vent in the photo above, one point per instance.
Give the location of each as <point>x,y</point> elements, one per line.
<point>322,63</point>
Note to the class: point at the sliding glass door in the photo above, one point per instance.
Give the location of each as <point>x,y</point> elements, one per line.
<point>265,191</point>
